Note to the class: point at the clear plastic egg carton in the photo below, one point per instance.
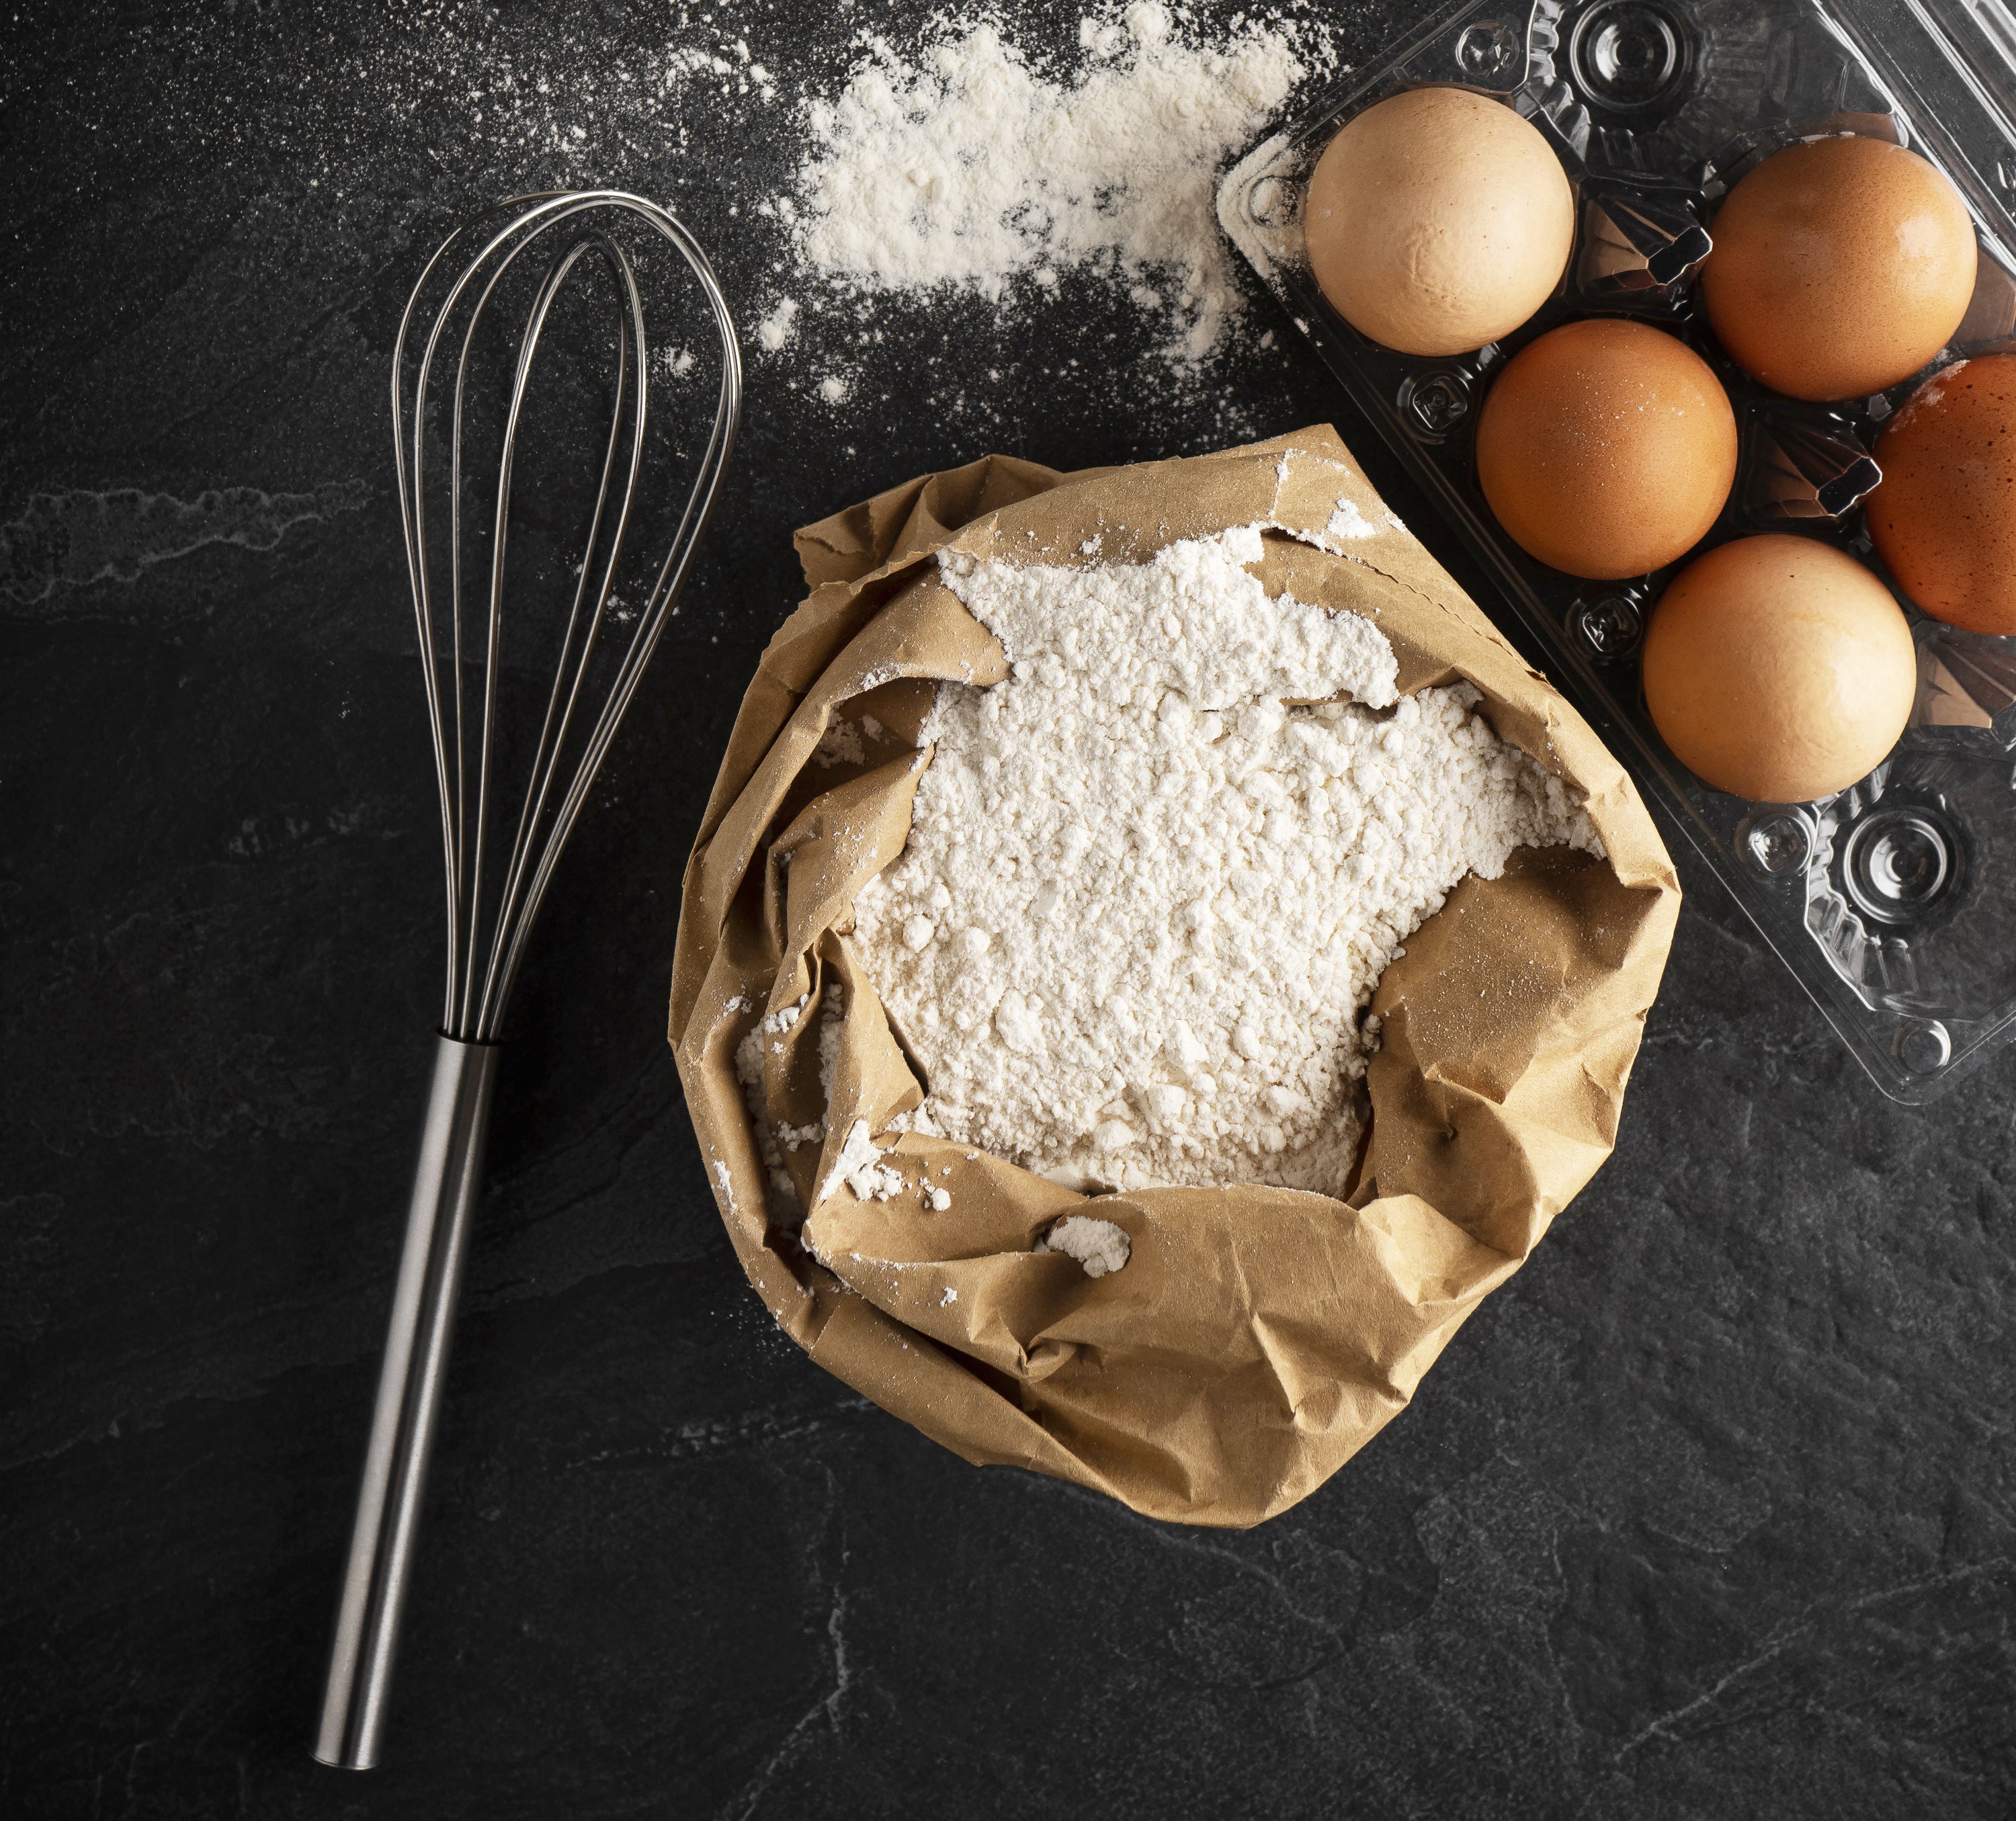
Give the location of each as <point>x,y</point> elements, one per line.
<point>1893,902</point>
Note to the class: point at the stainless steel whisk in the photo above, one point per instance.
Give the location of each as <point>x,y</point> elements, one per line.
<point>491,911</point>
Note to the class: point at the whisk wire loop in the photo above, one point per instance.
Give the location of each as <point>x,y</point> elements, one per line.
<point>633,356</point>
<point>488,923</point>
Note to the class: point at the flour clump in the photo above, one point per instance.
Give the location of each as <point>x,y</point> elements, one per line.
<point>1098,1245</point>
<point>1154,876</point>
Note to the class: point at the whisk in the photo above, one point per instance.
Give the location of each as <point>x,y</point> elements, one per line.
<point>495,891</point>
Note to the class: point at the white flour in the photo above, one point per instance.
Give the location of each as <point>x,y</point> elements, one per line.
<point>1145,899</point>
<point>971,166</point>
<point>1098,1245</point>
<point>859,1165</point>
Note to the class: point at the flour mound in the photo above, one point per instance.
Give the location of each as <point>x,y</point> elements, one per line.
<point>1146,897</point>
<point>969,166</point>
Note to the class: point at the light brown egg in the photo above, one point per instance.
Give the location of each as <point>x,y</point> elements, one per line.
<point>1944,519</point>
<point>1438,220</point>
<point>1779,669</point>
<point>1606,448</point>
<point>1841,267</point>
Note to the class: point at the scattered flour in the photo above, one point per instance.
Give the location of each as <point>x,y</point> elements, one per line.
<point>777,329</point>
<point>840,745</point>
<point>1098,1245</point>
<point>972,166</point>
<point>860,1167</point>
<point>1145,896</point>
<point>1348,522</point>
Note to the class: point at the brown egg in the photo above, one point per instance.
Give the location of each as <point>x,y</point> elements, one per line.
<point>1438,220</point>
<point>1944,519</point>
<point>1841,267</point>
<point>1779,669</point>
<point>1606,448</point>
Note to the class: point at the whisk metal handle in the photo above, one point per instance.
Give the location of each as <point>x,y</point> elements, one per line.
<point>445,1186</point>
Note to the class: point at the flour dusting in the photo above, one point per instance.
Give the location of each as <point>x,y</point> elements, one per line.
<point>967,165</point>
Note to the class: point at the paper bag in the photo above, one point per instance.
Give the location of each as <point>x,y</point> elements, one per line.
<point>1256,1337</point>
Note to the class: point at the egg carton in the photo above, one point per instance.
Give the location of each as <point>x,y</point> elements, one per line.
<point>1893,902</point>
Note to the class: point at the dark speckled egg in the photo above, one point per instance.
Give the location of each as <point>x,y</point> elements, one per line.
<point>1944,519</point>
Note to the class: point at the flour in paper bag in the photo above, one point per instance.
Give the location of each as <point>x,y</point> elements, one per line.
<point>1148,891</point>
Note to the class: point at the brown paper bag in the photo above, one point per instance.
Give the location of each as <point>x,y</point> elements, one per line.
<point>1258,1338</point>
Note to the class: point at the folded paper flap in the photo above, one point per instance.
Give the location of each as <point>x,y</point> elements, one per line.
<point>1511,1024</point>
<point>1483,986</point>
<point>1256,1337</point>
<point>836,844</point>
<point>1269,1324</point>
<point>870,1082</point>
<point>919,631</point>
<point>917,516</point>
<point>1323,496</point>
<point>1269,1249</point>
<point>932,1389</point>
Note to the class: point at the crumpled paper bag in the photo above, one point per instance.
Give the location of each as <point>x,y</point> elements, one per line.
<point>1258,1338</point>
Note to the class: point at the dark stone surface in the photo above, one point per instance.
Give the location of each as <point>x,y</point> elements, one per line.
<point>1708,1512</point>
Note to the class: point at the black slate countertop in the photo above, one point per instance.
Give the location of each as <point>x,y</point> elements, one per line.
<point>1710,1511</point>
